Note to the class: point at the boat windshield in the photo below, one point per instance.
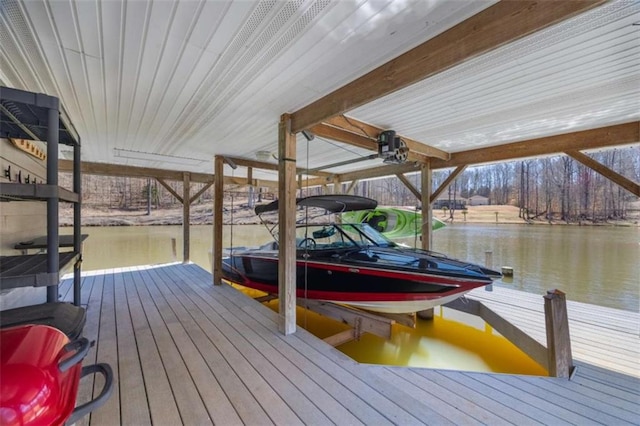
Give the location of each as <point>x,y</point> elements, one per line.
<point>340,236</point>
<point>368,235</point>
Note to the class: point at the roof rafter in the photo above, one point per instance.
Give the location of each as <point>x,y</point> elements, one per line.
<point>105,169</point>
<point>499,24</point>
<point>605,171</point>
<point>359,127</point>
<point>604,137</point>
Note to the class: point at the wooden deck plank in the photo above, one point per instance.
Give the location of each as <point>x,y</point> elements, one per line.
<point>133,399</point>
<point>190,405</point>
<point>251,369</point>
<point>291,383</point>
<point>219,406</point>
<point>536,401</point>
<point>210,354</point>
<point>350,402</point>
<point>586,401</point>
<point>334,375</point>
<point>91,297</point>
<point>585,409</point>
<point>161,400</point>
<point>504,413</point>
<point>107,352</point>
<point>446,401</point>
<point>305,385</point>
<point>599,335</point>
<point>619,384</point>
<point>610,318</point>
<point>245,404</point>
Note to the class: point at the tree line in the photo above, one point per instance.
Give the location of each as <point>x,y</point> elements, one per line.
<point>553,188</point>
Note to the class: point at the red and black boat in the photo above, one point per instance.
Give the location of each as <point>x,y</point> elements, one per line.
<point>351,263</point>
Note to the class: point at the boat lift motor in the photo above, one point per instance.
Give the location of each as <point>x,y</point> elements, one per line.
<point>391,148</point>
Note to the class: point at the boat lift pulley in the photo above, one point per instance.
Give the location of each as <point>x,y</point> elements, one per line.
<point>391,148</point>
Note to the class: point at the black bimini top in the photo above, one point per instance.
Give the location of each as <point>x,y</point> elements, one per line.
<point>337,203</point>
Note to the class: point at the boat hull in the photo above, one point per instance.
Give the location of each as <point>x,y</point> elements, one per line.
<point>375,289</point>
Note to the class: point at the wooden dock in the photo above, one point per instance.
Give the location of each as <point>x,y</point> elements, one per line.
<point>186,352</point>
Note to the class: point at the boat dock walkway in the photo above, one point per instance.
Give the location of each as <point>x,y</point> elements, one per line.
<point>186,352</point>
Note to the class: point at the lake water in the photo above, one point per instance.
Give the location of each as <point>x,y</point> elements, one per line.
<point>598,265</point>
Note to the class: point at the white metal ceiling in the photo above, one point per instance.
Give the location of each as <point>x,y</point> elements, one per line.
<point>170,84</point>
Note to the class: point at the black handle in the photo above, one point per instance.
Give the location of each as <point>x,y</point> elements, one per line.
<point>84,409</point>
<point>81,346</point>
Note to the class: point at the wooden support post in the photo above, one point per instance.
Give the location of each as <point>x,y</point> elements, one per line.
<point>337,185</point>
<point>352,185</point>
<point>558,338</point>
<point>218,197</point>
<point>488,259</point>
<point>427,215</point>
<point>427,314</point>
<point>287,227</point>
<point>186,216</point>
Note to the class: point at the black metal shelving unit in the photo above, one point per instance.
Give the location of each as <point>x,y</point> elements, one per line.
<point>35,116</point>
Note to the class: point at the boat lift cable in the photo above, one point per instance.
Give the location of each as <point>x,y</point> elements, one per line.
<point>415,220</point>
<point>231,230</point>
<point>306,235</point>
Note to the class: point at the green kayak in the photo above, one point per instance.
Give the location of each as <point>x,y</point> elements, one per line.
<point>392,222</point>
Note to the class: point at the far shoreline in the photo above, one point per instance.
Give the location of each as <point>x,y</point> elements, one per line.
<point>241,214</point>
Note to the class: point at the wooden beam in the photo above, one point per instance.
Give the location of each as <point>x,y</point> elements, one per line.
<point>355,139</point>
<point>365,322</point>
<point>105,169</point>
<point>454,174</point>
<point>616,178</point>
<point>379,171</point>
<point>337,134</point>
<point>287,226</point>
<point>409,185</point>
<point>218,198</point>
<point>186,217</point>
<point>522,340</point>
<point>497,25</point>
<point>351,186</point>
<point>199,193</point>
<point>170,189</point>
<point>427,214</point>
<point>271,166</point>
<point>603,137</point>
<point>355,126</point>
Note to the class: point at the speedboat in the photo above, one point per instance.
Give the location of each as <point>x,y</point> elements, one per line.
<point>354,264</point>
